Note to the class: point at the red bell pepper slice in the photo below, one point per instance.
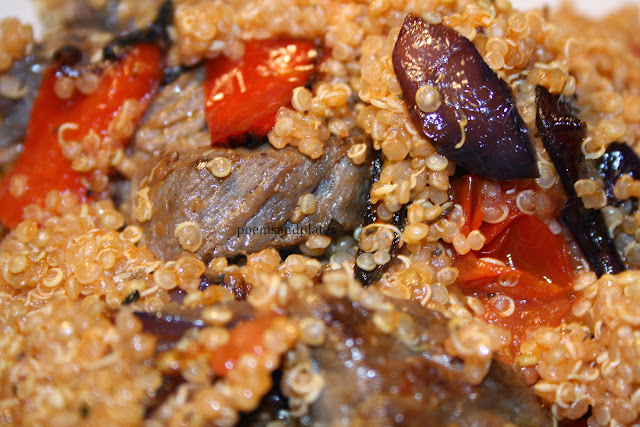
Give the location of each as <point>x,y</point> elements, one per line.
<point>244,97</point>
<point>244,338</point>
<point>136,75</point>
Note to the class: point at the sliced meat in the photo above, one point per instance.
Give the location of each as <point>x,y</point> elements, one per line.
<point>176,117</point>
<point>112,15</point>
<point>250,209</point>
<point>15,111</point>
<point>374,379</point>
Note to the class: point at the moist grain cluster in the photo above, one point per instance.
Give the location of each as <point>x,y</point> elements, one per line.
<point>73,274</point>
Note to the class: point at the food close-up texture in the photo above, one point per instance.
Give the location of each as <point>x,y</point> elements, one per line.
<point>319,213</point>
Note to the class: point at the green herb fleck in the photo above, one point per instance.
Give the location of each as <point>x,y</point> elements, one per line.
<point>132,297</point>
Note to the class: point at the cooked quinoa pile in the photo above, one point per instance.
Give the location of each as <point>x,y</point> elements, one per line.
<point>73,273</point>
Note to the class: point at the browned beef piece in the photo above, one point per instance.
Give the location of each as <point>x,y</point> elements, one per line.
<point>176,117</point>
<point>374,379</point>
<point>15,112</point>
<point>249,209</point>
<point>111,15</point>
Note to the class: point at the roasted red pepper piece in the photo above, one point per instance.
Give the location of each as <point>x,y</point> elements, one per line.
<point>243,97</point>
<point>136,75</point>
<point>537,263</point>
<point>244,338</point>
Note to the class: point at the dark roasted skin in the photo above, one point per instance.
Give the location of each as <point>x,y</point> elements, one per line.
<point>370,217</point>
<point>618,160</point>
<point>274,407</point>
<point>156,33</point>
<point>170,323</point>
<point>562,134</point>
<point>374,379</point>
<point>590,231</point>
<point>495,142</point>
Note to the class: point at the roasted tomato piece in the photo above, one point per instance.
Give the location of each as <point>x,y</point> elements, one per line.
<point>521,257</point>
<point>42,166</point>
<point>243,97</point>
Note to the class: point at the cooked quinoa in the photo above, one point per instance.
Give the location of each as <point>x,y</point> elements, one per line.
<point>73,354</point>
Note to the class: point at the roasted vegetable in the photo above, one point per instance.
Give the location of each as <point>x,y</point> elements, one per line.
<point>243,97</point>
<point>371,217</point>
<point>42,167</point>
<point>535,262</point>
<point>131,69</point>
<point>562,134</point>
<point>459,103</point>
<point>618,160</point>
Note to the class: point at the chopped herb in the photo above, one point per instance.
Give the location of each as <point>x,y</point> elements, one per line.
<point>132,297</point>
<point>84,410</point>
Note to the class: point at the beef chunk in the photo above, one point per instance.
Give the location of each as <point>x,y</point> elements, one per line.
<point>372,378</point>
<point>250,209</point>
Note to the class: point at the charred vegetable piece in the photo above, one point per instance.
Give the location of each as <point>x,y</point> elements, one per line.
<point>371,217</point>
<point>42,167</point>
<point>243,97</point>
<point>591,233</point>
<point>170,323</point>
<point>156,33</point>
<point>562,134</point>
<point>459,103</point>
<point>273,409</point>
<point>536,261</point>
<point>618,160</point>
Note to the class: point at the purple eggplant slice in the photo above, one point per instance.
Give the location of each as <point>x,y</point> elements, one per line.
<point>590,231</point>
<point>562,133</point>
<point>371,217</point>
<point>618,160</point>
<point>463,107</point>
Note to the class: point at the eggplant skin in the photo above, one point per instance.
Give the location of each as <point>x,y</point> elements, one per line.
<point>562,133</point>
<point>618,160</point>
<point>495,143</point>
